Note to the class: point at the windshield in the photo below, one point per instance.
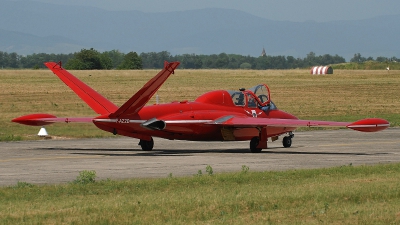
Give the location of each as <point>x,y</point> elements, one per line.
<point>262,92</point>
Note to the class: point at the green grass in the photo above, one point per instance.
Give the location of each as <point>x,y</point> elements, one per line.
<point>340,195</point>
<point>10,138</point>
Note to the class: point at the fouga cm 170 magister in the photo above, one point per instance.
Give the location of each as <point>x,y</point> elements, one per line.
<point>221,115</point>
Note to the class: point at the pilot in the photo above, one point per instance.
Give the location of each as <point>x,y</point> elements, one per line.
<point>252,103</point>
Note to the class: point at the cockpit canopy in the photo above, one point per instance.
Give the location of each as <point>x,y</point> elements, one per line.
<point>257,96</point>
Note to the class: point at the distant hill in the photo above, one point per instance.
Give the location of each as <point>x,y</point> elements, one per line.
<point>30,27</point>
<point>24,43</point>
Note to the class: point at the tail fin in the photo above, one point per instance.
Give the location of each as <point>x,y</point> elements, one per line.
<point>97,102</point>
<point>139,100</point>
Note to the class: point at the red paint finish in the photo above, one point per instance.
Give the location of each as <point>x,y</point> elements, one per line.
<point>97,102</point>
<point>369,125</point>
<point>214,116</point>
<point>34,119</point>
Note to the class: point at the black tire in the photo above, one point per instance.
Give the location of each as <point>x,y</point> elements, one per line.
<point>287,142</point>
<point>147,145</point>
<point>253,145</point>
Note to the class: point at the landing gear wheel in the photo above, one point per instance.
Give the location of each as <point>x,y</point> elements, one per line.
<point>287,142</point>
<point>253,145</point>
<point>146,145</point>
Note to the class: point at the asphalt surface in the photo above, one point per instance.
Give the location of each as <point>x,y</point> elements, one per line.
<point>60,161</point>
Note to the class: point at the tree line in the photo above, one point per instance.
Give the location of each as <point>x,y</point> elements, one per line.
<point>88,59</point>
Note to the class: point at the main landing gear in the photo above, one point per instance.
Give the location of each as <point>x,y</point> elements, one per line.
<point>146,145</point>
<point>255,141</point>
<point>253,145</point>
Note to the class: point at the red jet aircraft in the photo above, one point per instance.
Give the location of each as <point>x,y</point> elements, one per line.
<point>214,116</point>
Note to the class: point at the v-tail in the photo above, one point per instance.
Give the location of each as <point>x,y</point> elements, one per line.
<point>96,101</point>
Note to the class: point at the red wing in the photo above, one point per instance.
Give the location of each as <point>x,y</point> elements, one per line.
<point>44,119</point>
<point>365,125</point>
<point>97,102</point>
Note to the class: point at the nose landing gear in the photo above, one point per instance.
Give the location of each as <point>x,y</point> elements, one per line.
<point>287,140</point>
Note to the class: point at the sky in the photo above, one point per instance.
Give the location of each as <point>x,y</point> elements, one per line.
<point>284,10</point>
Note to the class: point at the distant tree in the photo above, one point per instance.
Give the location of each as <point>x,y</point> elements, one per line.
<point>106,61</point>
<point>132,61</point>
<point>190,61</point>
<point>338,59</point>
<point>381,59</point>
<point>245,66</point>
<point>358,58</point>
<point>235,61</point>
<point>311,59</point>
<point>154,60</point>
<point>75,64</point>
<point>37,60</point>
<point>3,62</point>
<point>261,63</point>
<point>210,61</point>
<point>222,61</point>
<point>13,60</point>
<point>291,62</point>
<point>116,57</point>
<point>164,56</point>
<point>88,59</point>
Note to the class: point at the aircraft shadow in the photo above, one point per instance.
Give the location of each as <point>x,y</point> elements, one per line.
<point>185,152</point>
<point>89,149</point>
<point>322,153</point>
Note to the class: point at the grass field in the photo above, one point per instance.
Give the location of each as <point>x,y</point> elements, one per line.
<point>347,95</point>
<point>340,195</point>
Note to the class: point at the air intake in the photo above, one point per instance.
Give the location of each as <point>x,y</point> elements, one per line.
<point>154,124</point>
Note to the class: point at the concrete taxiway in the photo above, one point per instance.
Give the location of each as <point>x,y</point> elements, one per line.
<point>60,161</point>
